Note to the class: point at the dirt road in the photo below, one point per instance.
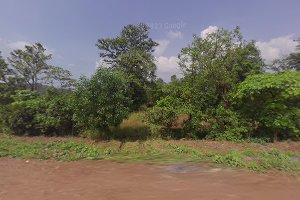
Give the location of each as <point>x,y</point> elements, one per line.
<point>89,180</point>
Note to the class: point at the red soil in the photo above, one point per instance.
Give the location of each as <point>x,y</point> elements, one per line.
<point>89,180</point>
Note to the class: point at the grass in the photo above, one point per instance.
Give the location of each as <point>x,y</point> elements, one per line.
<point>131,129</point>
<point>150,151</point>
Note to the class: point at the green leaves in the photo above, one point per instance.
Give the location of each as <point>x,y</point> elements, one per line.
<point>32,114</point>
<point>130,52</point>
<point>216,63</point>
<point>4,70</point>
<point>165,112</point>
<point>271,99</point>
<point>101,101</point>
<point>30,68</point>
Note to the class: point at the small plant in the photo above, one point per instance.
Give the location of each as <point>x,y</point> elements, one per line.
<point>154,151</point>
<point>108,151</point>
<point>276,159</point>
<point>179,149</point>
<point>233,159</point>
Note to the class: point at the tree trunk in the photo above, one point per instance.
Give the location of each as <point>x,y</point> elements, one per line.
<point>225,104</point>
<point>224,95</point>
<point>275,139</point>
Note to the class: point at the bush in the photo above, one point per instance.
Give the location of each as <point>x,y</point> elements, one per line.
<point>217,124</point>
<point>226,124</point>
<point>57,117</point>
<point>163,115</point>
<point>101,101</point>
<point>33,114</point>
<point>273,101</point>
<point>19,116</point>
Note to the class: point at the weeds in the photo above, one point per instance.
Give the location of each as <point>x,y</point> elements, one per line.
<point>149,151</point>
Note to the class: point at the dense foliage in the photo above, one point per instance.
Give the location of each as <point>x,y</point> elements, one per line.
<point>132,52</point>
<point>213,67</point>
<point>273,100</point>
<point>33,114</point>
<point>101,101</point>
<point>226,92</point>
<point>29,68</point>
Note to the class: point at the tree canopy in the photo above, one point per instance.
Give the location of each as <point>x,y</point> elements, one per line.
<point>225,92</point>
<point>219,61</point>
<point>271,99</point>
<point>30,68</point>
<point>102,100</point>
<point>131,52</point>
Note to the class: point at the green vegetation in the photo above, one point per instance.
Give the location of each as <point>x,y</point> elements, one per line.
<point>273,100</point>
<point>151,151</point>
<point>217,69</point>
<point>132,52</point>
<point>29,69</point>
<point>225,93</point>
<point>34,114</point>
<point>102,101</point>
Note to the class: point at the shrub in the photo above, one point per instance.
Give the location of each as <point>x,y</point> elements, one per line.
<point>218,124</point>
<point>226,124</point>
<point>101,101</point>
<point>163,115</point>
<point>273,101</point>
<point>57,117</point>
<point>33,114</point>
<point>19,116</point>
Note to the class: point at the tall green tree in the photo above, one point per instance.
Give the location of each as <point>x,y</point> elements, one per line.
<point>219,61</point>
<point>131,52</point>
<point>213,66</point>
<point>31,68</point>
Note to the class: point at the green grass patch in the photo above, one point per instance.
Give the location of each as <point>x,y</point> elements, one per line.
<point>150,151</point>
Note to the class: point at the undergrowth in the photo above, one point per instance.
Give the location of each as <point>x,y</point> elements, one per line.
<point>149,151</point>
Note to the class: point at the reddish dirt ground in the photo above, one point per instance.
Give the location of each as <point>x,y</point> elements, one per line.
<point>89,180</point>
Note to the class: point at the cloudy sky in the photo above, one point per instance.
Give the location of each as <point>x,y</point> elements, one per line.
<point>70,28</point>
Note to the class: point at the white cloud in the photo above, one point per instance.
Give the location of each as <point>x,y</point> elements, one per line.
<point>175,34</point>
<point>164,43</point>
<point>161,48</point>
<point>98,64</point>
<point>101,64</point>
<point>9,46</point>
<point>167,66</point>
<point>21,45</point>
<point>208,30</point>
<point>276,48</point>
<point>18,45</point>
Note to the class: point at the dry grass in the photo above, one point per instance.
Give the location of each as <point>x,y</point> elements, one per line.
<point>131,129</point>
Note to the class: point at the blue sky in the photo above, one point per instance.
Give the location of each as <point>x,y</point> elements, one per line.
<point>70,28</point>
